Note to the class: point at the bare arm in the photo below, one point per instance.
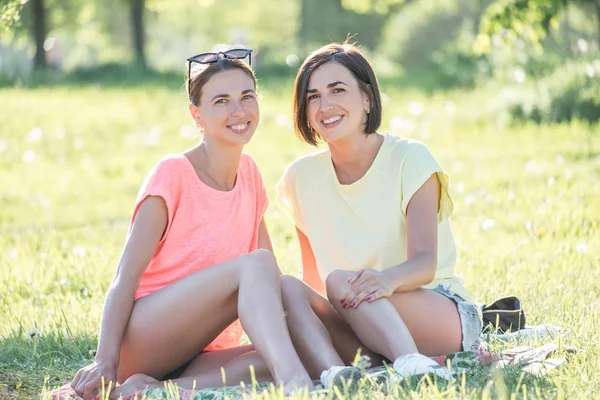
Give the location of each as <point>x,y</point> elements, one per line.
<point>147,230</point>
<point>310,275</point>
<point>264,239</point>
<point>419,269</point>
<point>422,235</point>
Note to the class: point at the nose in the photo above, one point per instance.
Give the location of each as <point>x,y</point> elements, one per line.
<point>326,105</point>
<point>238,110</point>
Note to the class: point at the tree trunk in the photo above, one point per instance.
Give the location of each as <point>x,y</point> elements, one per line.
<point>597,6</point>
<point>303,31</point>
<point>137,24</point>
<point>39,33</point>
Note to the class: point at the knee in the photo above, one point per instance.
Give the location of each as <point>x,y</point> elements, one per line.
<point>336,283</point>
<point>262,261</point>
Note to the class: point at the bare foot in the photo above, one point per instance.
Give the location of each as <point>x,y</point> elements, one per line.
<point>298,383</point>
<point>133,384</point>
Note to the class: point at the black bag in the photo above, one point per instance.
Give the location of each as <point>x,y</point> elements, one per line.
<point>503,315</point>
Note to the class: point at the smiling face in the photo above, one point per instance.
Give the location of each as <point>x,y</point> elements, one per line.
<point>228,109</point>
<point>336,106</point>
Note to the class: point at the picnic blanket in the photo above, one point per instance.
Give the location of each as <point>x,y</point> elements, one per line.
<point>537,361</point>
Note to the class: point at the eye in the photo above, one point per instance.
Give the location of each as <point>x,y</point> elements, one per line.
<point>312,97</point>
<point>337,90</point>
<point>248,97</point>
<point>221,101</point>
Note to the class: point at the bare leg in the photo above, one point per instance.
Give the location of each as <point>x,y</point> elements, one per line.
<point>404,323</point>
<point>174,324</point>
<point>322,338</point>
<point>206,368</point>
<point>205,372</point>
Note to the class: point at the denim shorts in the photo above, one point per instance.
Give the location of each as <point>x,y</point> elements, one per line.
<point>470,322</point>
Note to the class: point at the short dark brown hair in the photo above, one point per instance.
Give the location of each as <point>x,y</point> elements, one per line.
<point>350,57</point>
<point>207,71</point>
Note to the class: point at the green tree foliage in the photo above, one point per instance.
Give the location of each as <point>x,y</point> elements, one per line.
<point>526,19</point>
<point>10,13</point>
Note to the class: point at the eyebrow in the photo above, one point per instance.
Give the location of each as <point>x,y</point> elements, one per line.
<point>226,95</point>
<point>332,84</point>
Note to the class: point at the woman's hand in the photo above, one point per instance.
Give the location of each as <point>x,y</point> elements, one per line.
<point>367,284</point>
<point>88,381</point>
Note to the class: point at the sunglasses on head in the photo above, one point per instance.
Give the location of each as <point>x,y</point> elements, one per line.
<point>209,58</point>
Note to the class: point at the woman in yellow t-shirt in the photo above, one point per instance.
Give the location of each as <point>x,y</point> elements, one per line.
<point>371,213</point>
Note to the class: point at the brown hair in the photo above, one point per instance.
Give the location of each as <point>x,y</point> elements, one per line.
<point>350,57</point>
<point>199,78</point>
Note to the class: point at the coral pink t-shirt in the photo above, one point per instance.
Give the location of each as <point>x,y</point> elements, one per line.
<point>205,226</point>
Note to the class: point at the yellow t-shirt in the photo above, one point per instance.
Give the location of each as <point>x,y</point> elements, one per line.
<point>363,225</point>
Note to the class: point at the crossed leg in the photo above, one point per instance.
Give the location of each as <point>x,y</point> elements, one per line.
<point>173,325</point>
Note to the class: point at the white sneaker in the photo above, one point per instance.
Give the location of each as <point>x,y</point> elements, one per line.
<point>342,377</point>
<point>418,364</point>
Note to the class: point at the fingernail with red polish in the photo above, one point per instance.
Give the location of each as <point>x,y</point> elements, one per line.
<point>368,298</point>
<point>342,301</point>
<point>344,306</point>
<point>352,305</point>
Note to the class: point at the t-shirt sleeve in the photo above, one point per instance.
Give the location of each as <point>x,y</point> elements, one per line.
<point>418,166</point>
<point>161,181</point>
<point>287,199</point>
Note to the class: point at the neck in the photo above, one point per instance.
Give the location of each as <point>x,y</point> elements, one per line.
<point>220,161</point>
<point>353,156</point>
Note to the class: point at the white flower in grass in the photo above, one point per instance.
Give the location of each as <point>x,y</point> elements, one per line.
<point>487,224</point>
<point>79,252</point>
<point>283,120</point>
<point>551,181</point>
<point>415,108</point>
<point>34,135</point>
<point>519,75</point>
<point>469,200</point>
<point>29,156</point>
<point>32,334</point>
<point>590,71</point>
<point>459,187</point>
<point>3,146</point>
<point>402,124</point>
<point>582,248</point>
<point>14,253</point>
<point>187,131</point>
<point>582,45</point>
<point>292,60</point>
<point>511,195</point>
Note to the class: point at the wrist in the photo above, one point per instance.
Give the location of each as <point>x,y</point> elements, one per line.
<point>393,277</point>
<point>109,359</point>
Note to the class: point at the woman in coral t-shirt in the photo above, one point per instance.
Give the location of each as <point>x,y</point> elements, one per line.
<point>198,256</point>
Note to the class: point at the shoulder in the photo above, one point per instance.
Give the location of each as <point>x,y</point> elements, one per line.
<point>249,167</point>
<point>169,168</point>
<point>248,162</point>
<point>170,162</point>
<point>310,166</point>
<point>401,147</point>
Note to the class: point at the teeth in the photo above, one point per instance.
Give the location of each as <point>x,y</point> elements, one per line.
<point>239,127</point>
<point>332,120</point>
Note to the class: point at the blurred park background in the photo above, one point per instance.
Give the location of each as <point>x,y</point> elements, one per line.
<point>506,93</point>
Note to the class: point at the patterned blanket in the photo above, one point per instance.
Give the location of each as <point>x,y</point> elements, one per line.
<point>538,361</point>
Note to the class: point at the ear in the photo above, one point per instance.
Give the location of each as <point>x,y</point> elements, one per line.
<point>367,98</point>
<point>195,112</point>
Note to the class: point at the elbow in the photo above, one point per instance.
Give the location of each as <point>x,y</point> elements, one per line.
<point>430,261</point>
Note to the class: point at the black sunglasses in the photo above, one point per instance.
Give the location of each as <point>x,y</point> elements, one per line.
<point>209,58</point>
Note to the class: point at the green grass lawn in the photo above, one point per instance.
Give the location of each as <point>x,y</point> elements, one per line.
<point>72,159</point>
